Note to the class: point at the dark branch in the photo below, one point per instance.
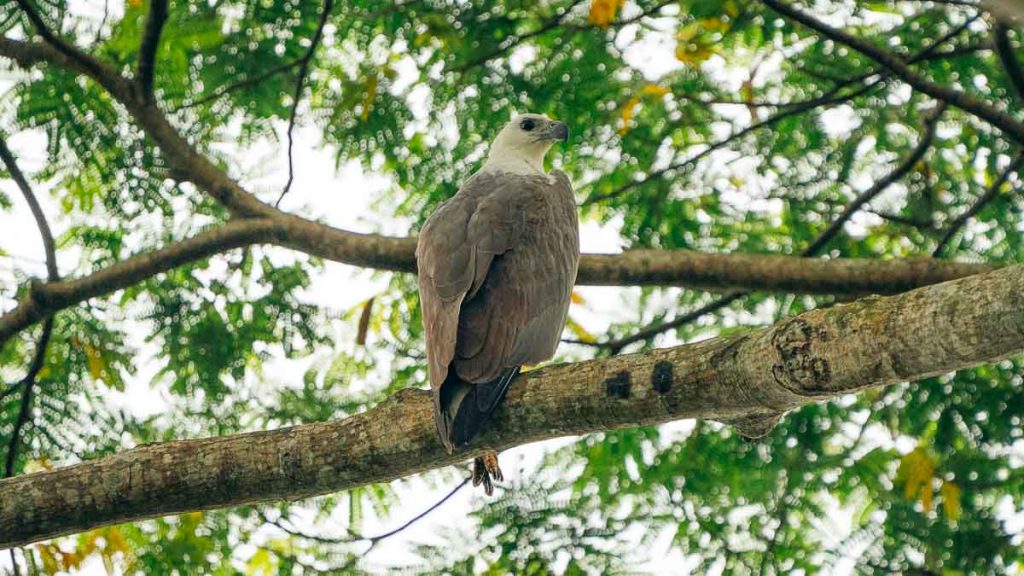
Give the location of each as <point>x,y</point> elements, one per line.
<point>990,194</point>
<point>39,358</point>
<point>931,120</point>
<point>43,300</point>
<point>224,90</point>
<point>33,203</point>
<point>300,83</point>
<point>353,537</point>
<point>84,60</point>
<point>150,43</point>
<point>27,389</point>
<point>514,41</point>
<point>1004,49</point>
<point>902,70</point>
<point>832,97</point>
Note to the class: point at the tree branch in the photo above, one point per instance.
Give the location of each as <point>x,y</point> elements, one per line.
<point>931,121</point>
<point>705,271</point>
<point>44,299</point>
<point>39,358</point>
<point>83,61</point>
<point>1004,49</point>
<point>902,70</point>
<point>990,194</point>
<point>150,43</point>
<point>33,203</point>
<point>748,377</point>
<point>300,82</point>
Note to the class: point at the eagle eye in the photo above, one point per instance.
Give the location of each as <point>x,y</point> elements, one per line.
<point>528,124</point>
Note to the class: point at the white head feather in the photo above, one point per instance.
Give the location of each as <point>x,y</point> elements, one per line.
<point>521,145</point>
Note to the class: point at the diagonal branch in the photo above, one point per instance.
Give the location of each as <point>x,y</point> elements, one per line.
<point>809,358</point>
<point>931,120</point>
<point>300,83</point>
<point>33,203</point>
<point>1004,49</point>
<point>43,300</point>
<point>27,383</point>
<point>225,89</point>
<point>84,61</point>
<point>990,194</point>
<point>150,43</point>
<point>1001,120</point>
<point>832,97</point>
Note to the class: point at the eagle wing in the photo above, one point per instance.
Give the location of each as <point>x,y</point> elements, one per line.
<point>497,263</point>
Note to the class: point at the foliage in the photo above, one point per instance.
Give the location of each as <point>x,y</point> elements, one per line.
<point>923,473</point>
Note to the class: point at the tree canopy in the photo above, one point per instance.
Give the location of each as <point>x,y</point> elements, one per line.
<point>757,160</point>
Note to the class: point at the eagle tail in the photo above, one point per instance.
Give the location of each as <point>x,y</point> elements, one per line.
<point>465,408</point>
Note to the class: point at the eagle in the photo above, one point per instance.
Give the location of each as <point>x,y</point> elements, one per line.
<point>496,265</point>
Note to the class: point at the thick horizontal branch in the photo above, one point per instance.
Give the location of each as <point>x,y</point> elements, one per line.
<point>747,380</point>
<point>716,272</point>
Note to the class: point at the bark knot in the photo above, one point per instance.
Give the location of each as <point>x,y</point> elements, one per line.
<point>799,369</point>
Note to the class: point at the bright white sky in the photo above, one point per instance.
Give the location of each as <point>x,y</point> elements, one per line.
<point>346,198</point>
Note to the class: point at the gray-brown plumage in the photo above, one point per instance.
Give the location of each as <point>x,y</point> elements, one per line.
<point>497,263</point>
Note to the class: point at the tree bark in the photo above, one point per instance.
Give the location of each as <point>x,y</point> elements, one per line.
<point>747,380</point>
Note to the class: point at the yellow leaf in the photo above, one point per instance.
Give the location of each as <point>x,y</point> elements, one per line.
<point>602,12</point>
<point>43,372</point>
<point>627,114</point>
<point>715,25</point>
<point>950,492</point>
<point>371,93</point>
<point>135,3</point>
<point>48,558</point>
<point>693,55</point>
<point>655,90</point>
<point>262,562</point>
<point>95,362</point>
<point>916,472</point>
<point>688,32</point>
<point>580,332</point>
<point>577,299</point>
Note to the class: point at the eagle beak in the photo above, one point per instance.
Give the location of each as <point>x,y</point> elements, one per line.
<point>558,131</point>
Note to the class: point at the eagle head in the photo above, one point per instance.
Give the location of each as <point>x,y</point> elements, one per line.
<point>526,139</point>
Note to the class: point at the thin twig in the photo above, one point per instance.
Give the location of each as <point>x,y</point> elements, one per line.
<point>1004,49</point>
<point>514,41</point>
<point>300,83</point>
<point>33,203</point>
<point>61,45</point>
<point>25,408</point>
<point>899,68</point>
<point>354,537</point>
<point>830,98</point>
<point>931,120</point>
<point>223,90</point>
<point>38,360</point>
<point>149,45</point>
<point>990,194</point>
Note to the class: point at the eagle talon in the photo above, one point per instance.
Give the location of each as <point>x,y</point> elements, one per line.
<point>484,469</point>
